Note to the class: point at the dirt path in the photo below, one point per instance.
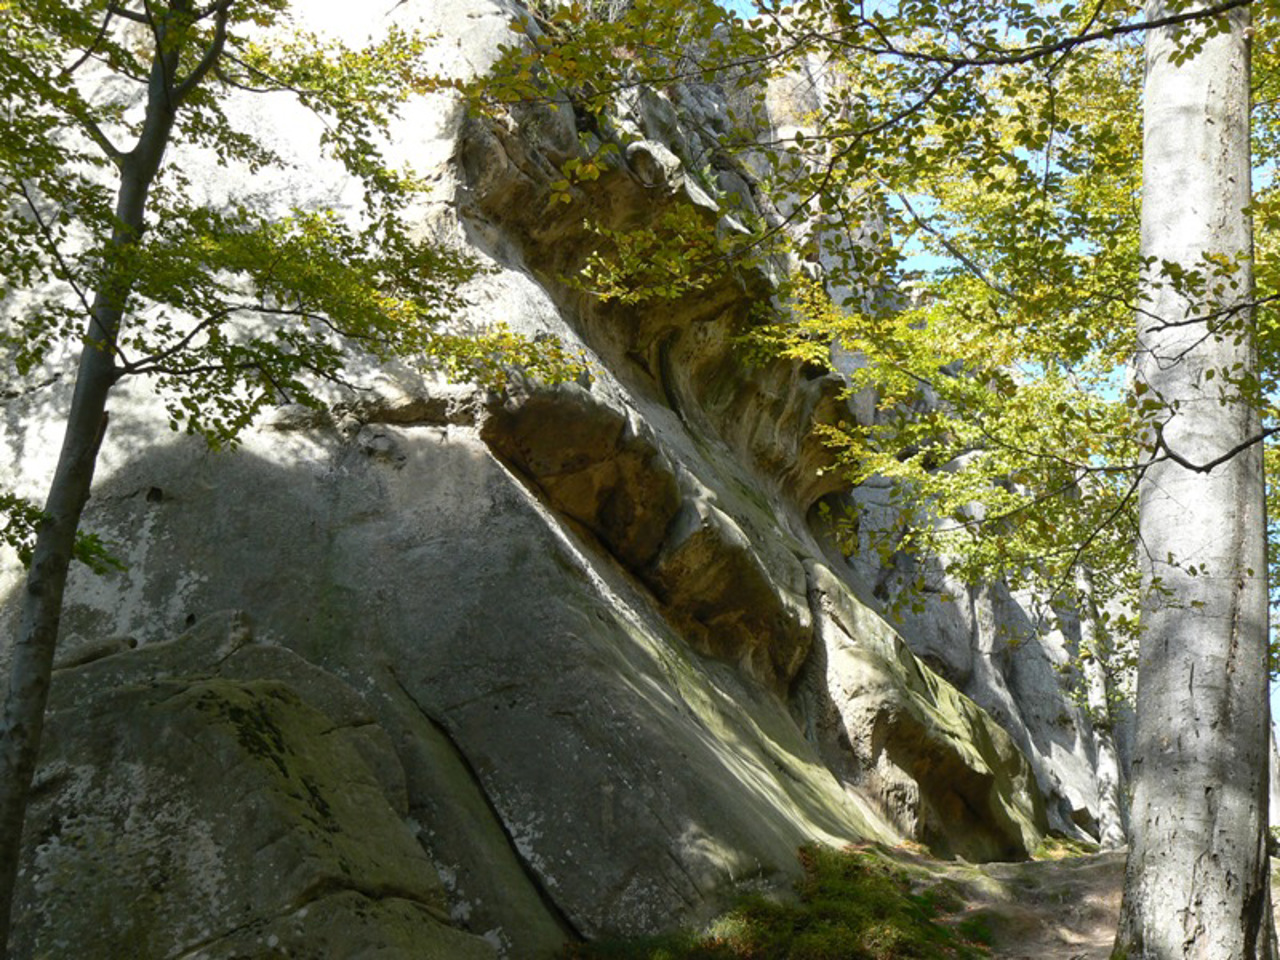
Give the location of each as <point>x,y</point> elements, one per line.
<point>1042,910</point>
<point>1056,908</point>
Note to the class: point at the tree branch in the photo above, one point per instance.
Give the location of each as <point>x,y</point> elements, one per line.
<point>1111,518</point>
<point>160,60</point>
<point>70,101</point>
<point>1209,317</point>
<point>52,246</point>
<point>119,10</point>
<point>152,362</point>
<point>1163,444</point>
<point>211,54</point>
<point>973,266</point>
<point>7,394</point>
<point>102,32</point>
<point>99,137</point>
<point>1040,51</point>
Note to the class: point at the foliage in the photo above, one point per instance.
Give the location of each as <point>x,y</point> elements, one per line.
<point>1001,142</point>
<point>18,533</point>
<point>673,257</point>
<point>231,304</point>
<point>852,904</point>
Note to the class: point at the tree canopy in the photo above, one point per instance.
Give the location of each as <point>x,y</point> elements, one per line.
<point>231,303</point>
<point>999,144</point>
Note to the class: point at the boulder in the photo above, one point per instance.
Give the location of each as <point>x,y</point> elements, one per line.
<point>197,807</point>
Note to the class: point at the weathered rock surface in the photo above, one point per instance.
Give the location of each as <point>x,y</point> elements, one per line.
<point>947,774</point>
<point>530,668</point>
<point>205,802</point>
<point>626,782</point>
<point>1018,661</point>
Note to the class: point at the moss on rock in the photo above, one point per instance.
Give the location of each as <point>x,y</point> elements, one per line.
<point>212,817</point>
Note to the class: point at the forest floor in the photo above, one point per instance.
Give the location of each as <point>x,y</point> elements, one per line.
<point>1062,909</point>
<point>870,900</point>
<point>1050,909</point>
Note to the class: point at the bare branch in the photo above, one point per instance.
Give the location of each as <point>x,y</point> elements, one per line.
<point>1040,51</point>
<point>52,246</point>
<point>1170,453</point>
<point>89,50</point>
<point>1209,317</point>
<point>1097,530</point>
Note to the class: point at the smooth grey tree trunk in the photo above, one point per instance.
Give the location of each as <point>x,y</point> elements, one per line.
<point>32,663</point>
<point>1196,885</point>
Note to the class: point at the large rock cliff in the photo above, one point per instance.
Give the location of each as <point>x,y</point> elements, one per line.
<point>440,672</point>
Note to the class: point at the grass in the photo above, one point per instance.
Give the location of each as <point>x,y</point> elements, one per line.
<point>852,904</point>
<point>1063,848</point>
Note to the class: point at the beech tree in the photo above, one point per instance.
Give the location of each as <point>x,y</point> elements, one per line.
<point>1197,880</point>
<point>224,309</point>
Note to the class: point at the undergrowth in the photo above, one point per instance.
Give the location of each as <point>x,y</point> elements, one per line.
<point>852,904</point>
<point>1063,848</point>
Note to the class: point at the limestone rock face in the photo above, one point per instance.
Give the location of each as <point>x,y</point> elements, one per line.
<point>218,806</point>
<point>546,714</point>
<point>947,774</point>
<point>994,645</point>
<point>524,669</point>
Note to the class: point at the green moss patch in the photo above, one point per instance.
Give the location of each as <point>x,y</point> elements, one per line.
<point>1063,848</point>
<point>852,904</point>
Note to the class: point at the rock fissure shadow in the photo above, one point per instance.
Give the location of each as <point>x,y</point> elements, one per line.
<point>535,880</point>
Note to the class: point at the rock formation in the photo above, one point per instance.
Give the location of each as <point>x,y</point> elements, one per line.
<point>447,673</point>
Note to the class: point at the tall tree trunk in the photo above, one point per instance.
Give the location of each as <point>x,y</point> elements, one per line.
<point>32,663</point>
<point>1111,814</point>
<point>1197,885</point>
<point>31,667</point>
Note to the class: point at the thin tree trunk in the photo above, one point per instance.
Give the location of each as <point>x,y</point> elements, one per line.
<point>1273,817</point>
<point>1111,818</point>
<point>1197,884</point>
<point>32,664</point>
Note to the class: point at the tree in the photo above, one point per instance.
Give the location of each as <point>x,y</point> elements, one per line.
<point>990,113</point>
<point>1197,880</point>
<point>226,309</point>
